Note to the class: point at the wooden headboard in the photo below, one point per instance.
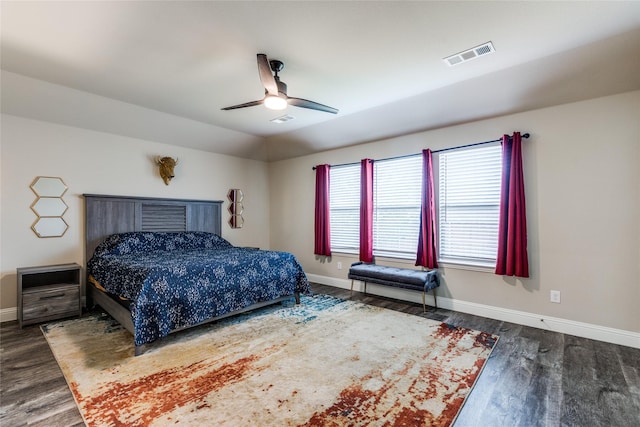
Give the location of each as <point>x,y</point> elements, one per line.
<point>106,215</point>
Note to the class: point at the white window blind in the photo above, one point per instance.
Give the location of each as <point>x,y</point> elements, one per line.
<point>344,205</point>
<point>469,204</point>
<point>396,201</point>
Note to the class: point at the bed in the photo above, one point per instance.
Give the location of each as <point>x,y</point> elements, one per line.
<point>160,265</point>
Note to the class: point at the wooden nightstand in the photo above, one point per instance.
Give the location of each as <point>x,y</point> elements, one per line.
<point>48,292</point>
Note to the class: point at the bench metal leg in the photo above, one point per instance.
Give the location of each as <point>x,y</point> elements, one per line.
<point>435,300</point>
<point>365,287</point>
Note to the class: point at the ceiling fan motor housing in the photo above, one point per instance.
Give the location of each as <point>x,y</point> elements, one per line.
<point>276,65</point>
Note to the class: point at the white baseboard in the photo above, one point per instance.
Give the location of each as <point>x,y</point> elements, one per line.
<point>555,324</point>
<point>8,314</point>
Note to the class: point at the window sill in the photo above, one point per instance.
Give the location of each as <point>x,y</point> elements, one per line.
<point>344,252</point>
<point>383,258</point>
<point>483,268</point>
<point>456,265</point>
<point>397,260</point>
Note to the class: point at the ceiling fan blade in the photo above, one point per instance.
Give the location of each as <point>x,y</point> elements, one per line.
<point>246,104</point>
<point>266,77</point>
<point>305,103</point>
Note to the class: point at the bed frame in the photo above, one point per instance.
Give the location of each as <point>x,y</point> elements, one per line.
<point>106,215</point>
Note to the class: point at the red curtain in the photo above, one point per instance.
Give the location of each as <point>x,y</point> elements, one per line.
<point>427,252</point>
<point>366,210</point>
<point>512,257</point>
<point>322,244</point>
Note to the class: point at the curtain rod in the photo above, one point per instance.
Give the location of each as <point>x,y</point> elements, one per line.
<point>524,135</point>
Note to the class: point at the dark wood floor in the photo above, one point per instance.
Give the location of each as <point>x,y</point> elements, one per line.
<point>533,377</point>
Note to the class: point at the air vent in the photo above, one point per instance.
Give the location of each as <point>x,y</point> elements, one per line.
<point>468,55</point>
<point>282,119</point>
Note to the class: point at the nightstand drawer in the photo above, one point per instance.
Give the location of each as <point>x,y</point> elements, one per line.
<point>40,303</point>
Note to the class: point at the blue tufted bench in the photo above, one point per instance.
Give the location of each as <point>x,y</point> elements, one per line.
<point>405,278</point>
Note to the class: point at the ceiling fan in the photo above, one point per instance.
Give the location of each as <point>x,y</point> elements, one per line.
<point>275,91</point>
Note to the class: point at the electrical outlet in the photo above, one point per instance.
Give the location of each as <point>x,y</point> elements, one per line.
<point>339,265</point>
<point>554,296</point>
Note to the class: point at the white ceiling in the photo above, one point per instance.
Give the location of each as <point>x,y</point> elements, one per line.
<point>163,70</point>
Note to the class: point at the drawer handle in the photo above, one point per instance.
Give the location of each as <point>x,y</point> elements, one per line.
<point>53,296</point>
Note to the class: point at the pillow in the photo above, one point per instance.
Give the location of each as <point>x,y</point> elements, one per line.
<point>143,242</point>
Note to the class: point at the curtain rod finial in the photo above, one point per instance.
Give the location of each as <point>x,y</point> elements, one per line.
<point>526,135</point>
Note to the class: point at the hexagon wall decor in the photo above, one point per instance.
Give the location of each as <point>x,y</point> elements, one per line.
<point>236,208</point>
<point>49,206</point>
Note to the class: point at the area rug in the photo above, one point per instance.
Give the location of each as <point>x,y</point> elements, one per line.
<point>325,362</point>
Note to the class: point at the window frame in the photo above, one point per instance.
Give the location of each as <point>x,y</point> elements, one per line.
<point>464,262</point>
<point>469,262</point>
<point>354,169</point>
<point>411,209</point>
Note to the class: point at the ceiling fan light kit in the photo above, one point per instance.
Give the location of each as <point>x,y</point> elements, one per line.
<point>276,91</point>
<point>275,102</point>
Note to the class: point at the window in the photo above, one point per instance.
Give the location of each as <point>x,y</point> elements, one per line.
<point>344,205</point>
<point>468,190</point>
<point>396,206</point>
<point>469,205</point>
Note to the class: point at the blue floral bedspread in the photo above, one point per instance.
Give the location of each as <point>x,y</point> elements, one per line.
<point>177,280</point>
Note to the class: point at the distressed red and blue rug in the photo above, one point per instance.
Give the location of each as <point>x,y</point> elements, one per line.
<point>325,362</point>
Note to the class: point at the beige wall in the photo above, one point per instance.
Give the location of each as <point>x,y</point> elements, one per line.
<point>100,163</point>
<point>582,171</point>
<point>582,182</point>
